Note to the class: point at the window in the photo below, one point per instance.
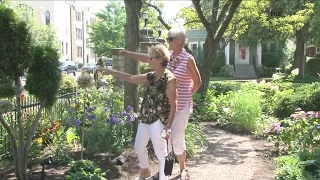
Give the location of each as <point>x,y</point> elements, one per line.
<point>66,48</point>
<point>194,47</point>
<point>79,34</point>
<point>78,16</point>
<point>47,16</point>
<point>62,48</point>
<point>318,50</point>
<point>79,51</point>
<point>87,42</point>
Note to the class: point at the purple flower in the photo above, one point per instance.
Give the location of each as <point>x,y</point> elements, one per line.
<point>107,121</point>
<point>130,109</point>
<point>69,120</point>
<point>114,120</point>
<point>124,113</point>
<point>266,131</point>
<point>77,122</point>
<point>129,118</point>
<point>93,117</point>
<point>71,109</point>
<point>86,108</point>
<point>106,109</point>
<point>87,116</point>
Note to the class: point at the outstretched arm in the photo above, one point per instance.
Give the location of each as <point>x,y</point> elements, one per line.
<point>137,56</point>
<point>134,79</point>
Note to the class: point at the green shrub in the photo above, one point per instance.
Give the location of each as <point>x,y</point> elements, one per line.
<point>205,108</point>
<point>247,110</point>
<point>101,63</point>
<point>110,132</point>
<point>84,169</point>
<point>218,64</point>
<point>305,96</point>
<point>67,82</point>
<point>271,59</point>
<point>288,167</point>
<point>195,138</point>
<point>298,133</point>
<point>313,67</point>
<point>224,87</point>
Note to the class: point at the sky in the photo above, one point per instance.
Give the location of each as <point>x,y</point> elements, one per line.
<point>171,8</point>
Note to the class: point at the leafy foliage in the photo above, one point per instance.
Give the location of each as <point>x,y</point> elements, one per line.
<point>84,169</point>
<point>16,44</point>
<point>44,67</point>
<point>108,30</point>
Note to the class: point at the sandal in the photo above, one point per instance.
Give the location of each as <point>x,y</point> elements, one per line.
<point>184,175</point>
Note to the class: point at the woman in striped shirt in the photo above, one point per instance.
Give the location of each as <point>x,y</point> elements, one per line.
<point>184,68</point>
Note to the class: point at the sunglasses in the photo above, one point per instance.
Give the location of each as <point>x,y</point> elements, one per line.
<point>170,39</point>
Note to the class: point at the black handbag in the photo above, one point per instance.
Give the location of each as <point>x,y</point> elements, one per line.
<point>169,161</point>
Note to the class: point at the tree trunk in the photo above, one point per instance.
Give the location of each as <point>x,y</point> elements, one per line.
<point>131,95</point>
<point>210,52</point>
<point>21,145</point>
<point>299,57</point>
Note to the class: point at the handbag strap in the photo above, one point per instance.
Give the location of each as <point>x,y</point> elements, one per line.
<point>168,146</point>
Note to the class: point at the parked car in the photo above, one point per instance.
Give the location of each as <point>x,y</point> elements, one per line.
<point>108,63</point>
<point>68,67</point>
<point>90,68</point>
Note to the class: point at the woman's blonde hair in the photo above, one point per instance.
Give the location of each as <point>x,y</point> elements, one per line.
<point>161,52</point>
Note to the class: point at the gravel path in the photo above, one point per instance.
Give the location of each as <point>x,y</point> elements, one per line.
<point>229,157</point>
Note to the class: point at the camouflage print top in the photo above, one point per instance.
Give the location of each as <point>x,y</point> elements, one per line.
<point>155,104</point>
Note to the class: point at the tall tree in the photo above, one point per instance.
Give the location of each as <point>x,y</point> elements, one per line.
<point>216,25</point>
<point>19,51</point>
<point>282,20</point>
<point>108,31</point>
<point>133,9</point>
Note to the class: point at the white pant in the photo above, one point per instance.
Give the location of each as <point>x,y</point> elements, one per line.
<point>144,133</point>
<point>178,128</point>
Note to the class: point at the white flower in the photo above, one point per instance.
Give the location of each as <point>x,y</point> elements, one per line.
<point>295,72</point>
<point>226,109</point>
<point>159,108</point>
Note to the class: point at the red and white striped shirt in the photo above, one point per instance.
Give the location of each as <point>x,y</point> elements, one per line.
<point>178,66</point>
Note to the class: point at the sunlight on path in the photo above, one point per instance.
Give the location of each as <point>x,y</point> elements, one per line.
<point>227,157</point>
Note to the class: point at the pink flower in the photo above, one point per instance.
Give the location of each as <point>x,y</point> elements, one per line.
<point>266,131</point>
<point>299,109</point>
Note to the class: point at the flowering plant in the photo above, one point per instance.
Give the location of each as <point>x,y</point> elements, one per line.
<point>300,132</point>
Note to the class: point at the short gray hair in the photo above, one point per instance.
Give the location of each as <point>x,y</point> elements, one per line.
<point>179,33</point>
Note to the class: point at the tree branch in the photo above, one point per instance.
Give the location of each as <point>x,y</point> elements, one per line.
<point>166,25</point>
<point>33,128</point>
<point>153,6</point>
<point>194,21</point>
<point>203,19</point>
<point>233,9</point>
<point>214,14</point>
<point>223,12</point>
<point>11,135</point>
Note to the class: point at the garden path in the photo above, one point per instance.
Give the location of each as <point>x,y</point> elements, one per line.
<point>230,157</point>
